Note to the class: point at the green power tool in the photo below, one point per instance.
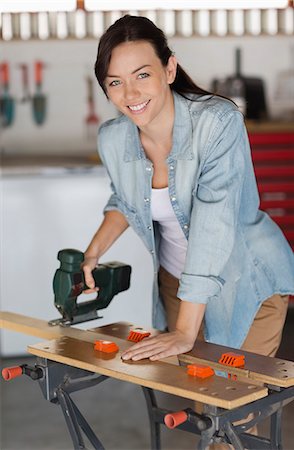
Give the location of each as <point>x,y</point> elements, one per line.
<point>69,283</point>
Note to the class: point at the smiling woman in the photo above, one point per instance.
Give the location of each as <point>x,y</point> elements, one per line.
<point>181,174</point>
<point>140,89</point>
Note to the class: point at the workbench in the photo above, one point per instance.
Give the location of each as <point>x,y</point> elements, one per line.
<point>67,362</point>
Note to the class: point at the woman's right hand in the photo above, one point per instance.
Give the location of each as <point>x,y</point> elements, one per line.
<point>88,265</point>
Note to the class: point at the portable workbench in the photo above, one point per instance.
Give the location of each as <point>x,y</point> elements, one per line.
<point>68,361</point>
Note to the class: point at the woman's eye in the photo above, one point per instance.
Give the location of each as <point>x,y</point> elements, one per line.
<point>114,83</point>
<point>143,75</point>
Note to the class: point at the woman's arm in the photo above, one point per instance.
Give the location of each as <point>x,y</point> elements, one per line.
<point>168,344</point>
<point>113,225</point>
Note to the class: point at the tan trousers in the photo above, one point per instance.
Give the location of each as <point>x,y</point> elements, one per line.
<point>265,333</point>
<point>264,336</point>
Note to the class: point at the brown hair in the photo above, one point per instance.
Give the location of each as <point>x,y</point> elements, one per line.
<point>135,28</point>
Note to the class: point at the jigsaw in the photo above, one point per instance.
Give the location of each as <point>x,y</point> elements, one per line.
<point>68,283</point>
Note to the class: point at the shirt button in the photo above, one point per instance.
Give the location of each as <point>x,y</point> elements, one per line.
<point>171,167</point>
<point>148,169</point>
<point>149,227</point>
<point>186,227</point>
<point>152,252</point>
<point>146,199</point>
<point>173,199</point>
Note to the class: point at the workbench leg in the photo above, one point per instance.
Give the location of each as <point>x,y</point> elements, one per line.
<point>205,439</point>
<point>87,429</point>
<point>276,430</point>
<point>154,426</point>
<point>70,419</point>
<point>75,420</point>
<point>233,437</point>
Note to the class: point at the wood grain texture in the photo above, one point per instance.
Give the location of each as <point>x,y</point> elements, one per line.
<point>157,375</point>
<point>273,371</point>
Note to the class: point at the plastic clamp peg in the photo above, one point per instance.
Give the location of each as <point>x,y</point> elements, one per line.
<point>106,346</point>
<point>173,420</point>
<point>199,371</point>
<point>11,372</point>
<point>137,335</point>
<point>232,359</point>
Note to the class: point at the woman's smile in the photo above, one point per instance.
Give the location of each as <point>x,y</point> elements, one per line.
<point>139,108</point>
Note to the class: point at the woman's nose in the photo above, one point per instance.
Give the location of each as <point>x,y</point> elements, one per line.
<point>131,91</point>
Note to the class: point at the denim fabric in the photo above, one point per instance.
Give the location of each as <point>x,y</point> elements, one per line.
<point>237,257</point>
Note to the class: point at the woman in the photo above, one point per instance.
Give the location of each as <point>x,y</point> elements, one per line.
<point>181,173</point>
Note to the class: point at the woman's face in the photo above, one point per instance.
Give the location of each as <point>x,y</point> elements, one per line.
<point>138,84</point>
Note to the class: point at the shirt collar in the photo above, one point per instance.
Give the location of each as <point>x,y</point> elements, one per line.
<point>182,134</point>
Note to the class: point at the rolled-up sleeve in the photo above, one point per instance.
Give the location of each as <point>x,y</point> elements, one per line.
<point>214,216</point>
<point>113,202</point>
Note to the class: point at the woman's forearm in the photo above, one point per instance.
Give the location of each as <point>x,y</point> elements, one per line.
<point>189,318</point>
<point>113,225</point>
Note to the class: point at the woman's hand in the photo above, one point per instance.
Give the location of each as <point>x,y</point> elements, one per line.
<point>88,266</point>
<point>162,346</point>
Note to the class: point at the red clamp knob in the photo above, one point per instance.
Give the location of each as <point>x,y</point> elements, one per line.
<point>12,372</point>
<point>175,419</point>
<point>198,371</point>
<point>137,335</point>
<point>106,346</point>
<point>232,359</point>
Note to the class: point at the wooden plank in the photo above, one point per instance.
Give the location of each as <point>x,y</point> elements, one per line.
<point>275,371</point>
<point>40,328</point>
<point>157,375</point>
<point>122,329</point>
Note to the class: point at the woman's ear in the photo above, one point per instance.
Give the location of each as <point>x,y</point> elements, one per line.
<point>171,69</point>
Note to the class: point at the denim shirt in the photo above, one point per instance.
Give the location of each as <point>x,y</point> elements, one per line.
<point>237,256</point>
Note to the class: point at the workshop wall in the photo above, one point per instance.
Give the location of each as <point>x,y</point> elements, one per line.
<point>68,63</point>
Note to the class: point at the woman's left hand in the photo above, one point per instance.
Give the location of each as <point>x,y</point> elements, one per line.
<point>158,347</point>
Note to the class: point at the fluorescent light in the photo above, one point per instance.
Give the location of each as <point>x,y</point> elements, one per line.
<point>141,5</point>
<point>37,5</point>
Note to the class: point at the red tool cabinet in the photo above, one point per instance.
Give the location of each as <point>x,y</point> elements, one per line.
<point>273,160</point>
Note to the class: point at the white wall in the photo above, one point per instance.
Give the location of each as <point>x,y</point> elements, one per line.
<point>39,216</point>
<point>68,62</point>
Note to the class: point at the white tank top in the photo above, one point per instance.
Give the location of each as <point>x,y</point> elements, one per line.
<point>173,244</point>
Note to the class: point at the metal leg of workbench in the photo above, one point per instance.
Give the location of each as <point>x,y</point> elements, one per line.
<point>276,430</point>
<point>154,425</point>
<point>233,437</point>
<point>75,422</point>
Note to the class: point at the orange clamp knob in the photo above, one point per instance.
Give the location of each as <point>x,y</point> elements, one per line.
<point>175,419</point>
<point>11,372</point>
<point>199,371</point>
<point>137,335</point>
<point>232,359</point>
<point>105,346</point>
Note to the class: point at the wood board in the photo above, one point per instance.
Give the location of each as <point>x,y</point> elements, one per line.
<point>158,375</point>
<point>274,371</point>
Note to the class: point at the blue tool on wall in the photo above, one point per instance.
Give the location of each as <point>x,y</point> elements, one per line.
<point>6,101</point>
<point>39,100</point>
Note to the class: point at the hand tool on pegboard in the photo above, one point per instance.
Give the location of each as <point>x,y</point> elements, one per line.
<point>25,83</point>
<point>39,101</point>
<point>7,104</point>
